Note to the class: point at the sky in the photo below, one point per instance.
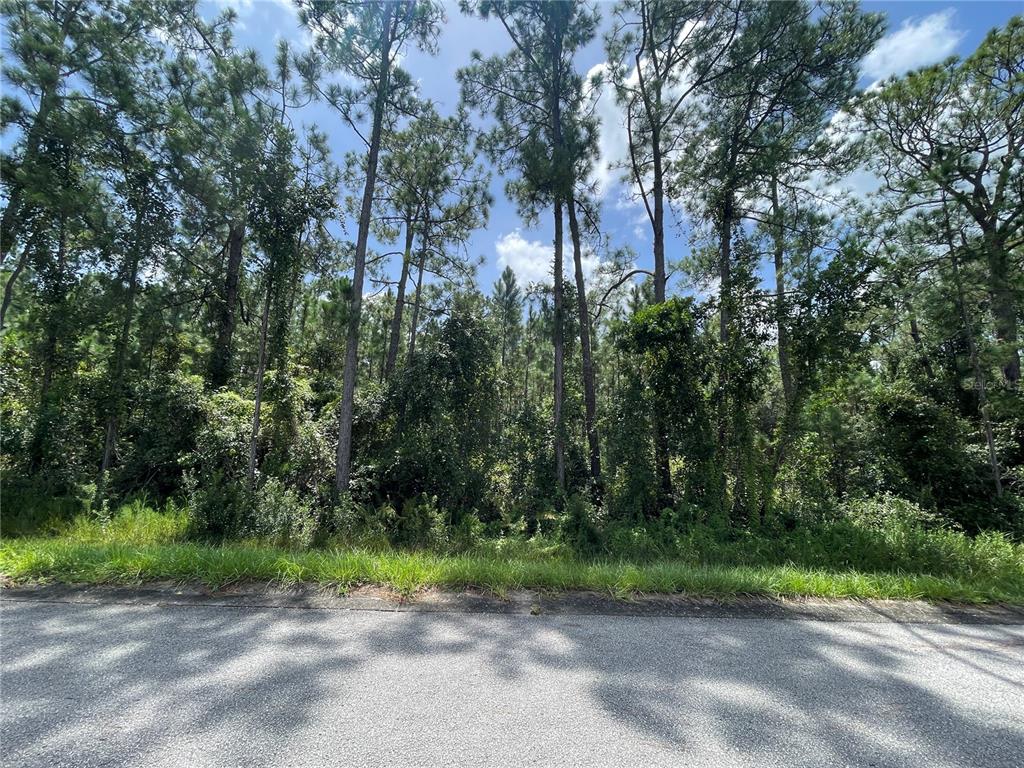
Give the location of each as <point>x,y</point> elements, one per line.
<point>919,33</point>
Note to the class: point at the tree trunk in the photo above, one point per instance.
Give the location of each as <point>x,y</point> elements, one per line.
<point>589,387</point>
<point>725,416</point>
<point>49,354</point>
<point>221,356</point>
<point>120,356</point>
<point>782,333</point>
<point>658,224</point>
<point>1004,310</point>
<point>915,335</point>
<point>661,453</point>
<point>396,318</point>
<point>415,321</point>
<point>343,462</point>
<point>972,347</point>
<point>384,325</point>
<point>261,367</point>
<point>13,278</point>
<point>559,345</point>
<point>526,375</point>
<point>979,378</point>
<point>725,267</point>
<point>563,187</point>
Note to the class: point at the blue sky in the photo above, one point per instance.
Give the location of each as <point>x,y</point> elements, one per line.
<point>919,33</point>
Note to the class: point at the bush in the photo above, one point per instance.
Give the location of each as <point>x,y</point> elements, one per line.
<point>420,525</point>
<point>887,512</point>
<point>579,527</point>
<point>281,517</point>
<point>28,508</point>
<point>160,432</point>
<point>214,481</point>
<point>469,533</point>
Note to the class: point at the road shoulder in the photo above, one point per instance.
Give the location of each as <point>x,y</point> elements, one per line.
<point>525,602</point>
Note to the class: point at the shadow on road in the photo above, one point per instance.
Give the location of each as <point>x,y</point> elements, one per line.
<point>111,684</point>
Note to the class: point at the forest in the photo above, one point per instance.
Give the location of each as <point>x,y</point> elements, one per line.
<point>210,315</point>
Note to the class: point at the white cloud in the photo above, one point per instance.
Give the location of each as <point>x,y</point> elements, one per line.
<point>238,5</point>
<point>917,43</point>
<point>591,263</point>
<point>289,28</point>
<point>613,140</point>
<point>529,259</point>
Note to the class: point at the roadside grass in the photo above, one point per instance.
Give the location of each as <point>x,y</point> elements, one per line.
<point>58,559</point>
<point>138,544</point>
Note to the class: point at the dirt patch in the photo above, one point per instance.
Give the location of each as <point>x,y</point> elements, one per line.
<point>526,602</point>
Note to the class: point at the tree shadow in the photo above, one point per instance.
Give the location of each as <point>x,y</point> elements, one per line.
<point>213,685</point>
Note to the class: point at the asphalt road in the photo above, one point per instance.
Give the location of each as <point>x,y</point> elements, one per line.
<point>203,685</point>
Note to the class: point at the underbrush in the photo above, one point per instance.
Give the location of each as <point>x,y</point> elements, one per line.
<point>880,549</point>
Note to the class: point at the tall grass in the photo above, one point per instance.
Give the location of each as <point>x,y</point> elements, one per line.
<point>138,544</point>
<point>406,572</point>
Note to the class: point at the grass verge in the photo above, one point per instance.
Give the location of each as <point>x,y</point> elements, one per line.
<point>124,562</point>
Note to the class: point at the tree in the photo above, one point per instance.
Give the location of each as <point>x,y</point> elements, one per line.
<point>660,53</point>
<point>288,196</point>
<point>508,307</point>
<point>784,57</point>
<point>219,97</point>
<point>63,54</point>
<point>955,131</point>
<point>145,222</point>
<point>364,41</point>
<point>533,93</point>
<point>508,303</point>
<point>435,191</point>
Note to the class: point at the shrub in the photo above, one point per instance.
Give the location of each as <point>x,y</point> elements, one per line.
<point>161,431</point>
<point>280,516</point>
<point>214,480</point>
<point>421,524</point>
<point>888,511</point>
<point>468,533</point>
<point>354,523</point>
<point>579,527</point>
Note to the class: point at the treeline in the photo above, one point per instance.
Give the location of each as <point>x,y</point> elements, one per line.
<point>193,310</point>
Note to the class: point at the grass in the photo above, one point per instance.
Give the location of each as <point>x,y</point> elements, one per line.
<point>138,545</point>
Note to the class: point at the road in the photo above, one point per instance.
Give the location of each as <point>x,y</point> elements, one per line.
<point>201,685</point>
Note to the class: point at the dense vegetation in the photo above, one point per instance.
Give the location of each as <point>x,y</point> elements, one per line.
<point>205,309</point>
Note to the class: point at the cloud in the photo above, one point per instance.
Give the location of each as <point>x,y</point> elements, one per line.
<point>917,43</point>
<point>613,140</point>
<point>282,14</point>
<point>529,259</point>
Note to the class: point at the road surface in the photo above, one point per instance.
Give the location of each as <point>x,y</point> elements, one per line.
<point>113,684</point>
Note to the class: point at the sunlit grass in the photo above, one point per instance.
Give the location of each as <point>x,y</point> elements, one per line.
<point>139,544</point>
<point>62,560</point>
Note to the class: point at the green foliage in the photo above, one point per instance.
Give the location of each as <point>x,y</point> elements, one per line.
<point>922,445</point>
<point>673,364</point>
<point>135,522</point>
<point>890,556</point>
<point>160,434</point>
<point>281,517</point>
<point>181,338</point>
<point>579,527</point>
<point>215,489</point>
<point>420,524</point>
<point>438,415</point>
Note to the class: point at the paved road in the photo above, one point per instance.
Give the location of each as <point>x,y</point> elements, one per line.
<point>131,685</point>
